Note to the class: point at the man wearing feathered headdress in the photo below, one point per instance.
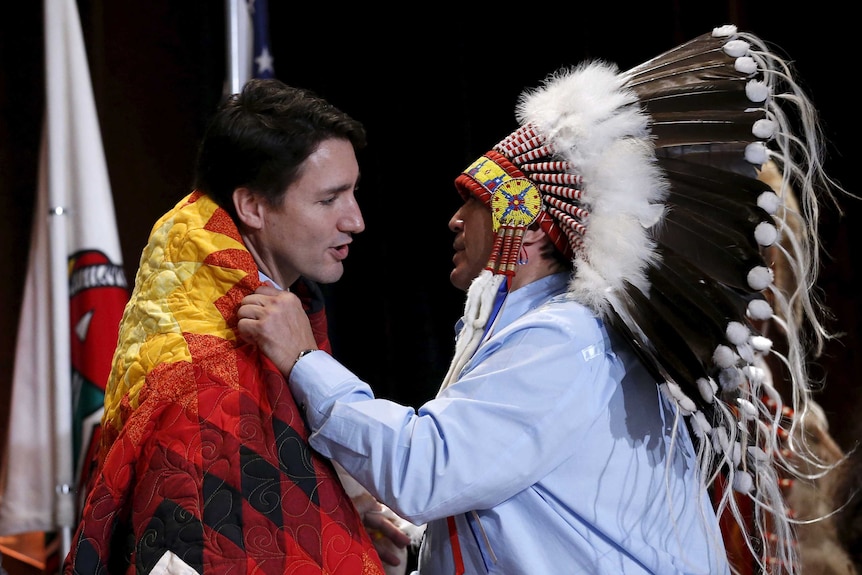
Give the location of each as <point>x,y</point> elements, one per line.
<point>607,366</point>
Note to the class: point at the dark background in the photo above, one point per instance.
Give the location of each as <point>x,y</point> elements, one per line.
<point>435,87</point>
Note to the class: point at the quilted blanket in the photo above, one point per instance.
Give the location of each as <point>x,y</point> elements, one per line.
<point>205,465</point>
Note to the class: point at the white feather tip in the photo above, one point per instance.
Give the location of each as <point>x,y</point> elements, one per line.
<point>736,333</point>
<point>724,357</point>
<point>756,153</point>
<point>748,410</point>
<point>724,31</point>
<point>745,65</point>
<point>736,48</point>
<point>759,310</point>
<point>769,202</point>
<point>680,398</point>
<point>707,388</point>
<point>730,379</point>
<point>742,481</point>
<point>760,278</point>
<point>761,343</point>
<point>700,425</point>
<point>765,234</point>
<point>757,91</point>
<point>764,129</point>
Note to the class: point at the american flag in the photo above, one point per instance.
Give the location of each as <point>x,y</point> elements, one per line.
<point>248,44</point>
<point>262,64</point>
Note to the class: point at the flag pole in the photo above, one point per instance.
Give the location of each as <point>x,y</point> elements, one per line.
<point>55,13</point>
<point>234,66</point>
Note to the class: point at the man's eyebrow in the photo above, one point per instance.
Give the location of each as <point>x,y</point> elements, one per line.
<point>340,188</point>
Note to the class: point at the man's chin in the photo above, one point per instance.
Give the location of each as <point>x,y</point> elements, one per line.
<point>330,275</point>
<point>458,280</point>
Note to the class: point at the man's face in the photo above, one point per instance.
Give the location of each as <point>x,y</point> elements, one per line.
<point>474,239</point>
<point>309,233</point>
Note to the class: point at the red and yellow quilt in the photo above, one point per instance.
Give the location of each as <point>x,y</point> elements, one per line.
<point>205,465</point>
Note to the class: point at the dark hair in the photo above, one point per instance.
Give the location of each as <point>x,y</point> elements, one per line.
<point>260,137</point>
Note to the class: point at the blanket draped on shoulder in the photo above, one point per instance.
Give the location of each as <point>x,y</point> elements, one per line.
<point>205,465</point>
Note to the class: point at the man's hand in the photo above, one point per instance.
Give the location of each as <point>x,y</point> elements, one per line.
<point>276,322</point>
<point>392,536</point>
<point>389,540</point>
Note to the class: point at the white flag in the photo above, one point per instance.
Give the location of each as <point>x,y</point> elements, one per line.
<point>74,296</point>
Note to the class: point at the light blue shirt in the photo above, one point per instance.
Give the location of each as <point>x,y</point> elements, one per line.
<point>554,434</point>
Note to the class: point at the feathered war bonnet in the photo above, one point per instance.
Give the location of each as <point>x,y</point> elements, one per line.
<point>648,180</point>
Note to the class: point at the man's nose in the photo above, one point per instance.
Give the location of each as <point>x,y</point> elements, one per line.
<point>456,224</point>
<point>352,221</point>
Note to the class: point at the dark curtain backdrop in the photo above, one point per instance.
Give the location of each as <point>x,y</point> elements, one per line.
<point>435,87</point>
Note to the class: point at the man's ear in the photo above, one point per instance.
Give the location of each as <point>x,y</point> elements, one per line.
<point>534,234</point>
<point>249,207</point>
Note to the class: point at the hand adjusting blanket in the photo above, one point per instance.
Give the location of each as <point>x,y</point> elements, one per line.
<point>205,464</point>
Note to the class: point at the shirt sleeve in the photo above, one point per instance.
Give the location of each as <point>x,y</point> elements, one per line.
<point>508,420</point>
